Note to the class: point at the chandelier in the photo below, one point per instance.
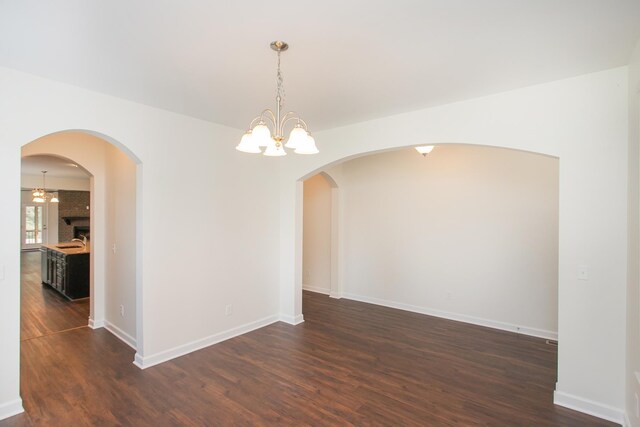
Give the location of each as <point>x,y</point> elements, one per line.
<point>40,195</point>
<point>267,130</point>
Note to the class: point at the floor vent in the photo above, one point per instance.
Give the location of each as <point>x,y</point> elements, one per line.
<point>551,342</point>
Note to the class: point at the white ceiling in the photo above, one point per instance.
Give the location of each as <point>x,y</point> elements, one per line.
<point>57,167</point>
<point>349,60</point>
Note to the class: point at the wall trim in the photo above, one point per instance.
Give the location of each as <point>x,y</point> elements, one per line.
<point>292,320</point>
<point>510,327</point>
<point>335,295</point>
<point>316,289</point>
<point>589,407</point>
<point>121,335</point>
<point>96,324</point>
<point>144,362</point>
<point>11,408</point>
<point>627,421</point>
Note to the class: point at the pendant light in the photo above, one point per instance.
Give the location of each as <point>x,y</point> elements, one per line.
<point>267,130</point>
<point>40,195</point>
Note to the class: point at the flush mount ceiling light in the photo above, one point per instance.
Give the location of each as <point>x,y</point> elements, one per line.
<point>424,149</point>
<point>267,130</point>
<point>40,195</point>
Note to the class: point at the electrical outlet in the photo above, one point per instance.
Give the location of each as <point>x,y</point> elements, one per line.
<point>121,310</point>
<point>113,248</point>
<point>228,311</point>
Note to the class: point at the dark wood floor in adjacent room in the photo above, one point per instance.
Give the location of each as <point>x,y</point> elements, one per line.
<point>43,310</point>
<point>349,363</point>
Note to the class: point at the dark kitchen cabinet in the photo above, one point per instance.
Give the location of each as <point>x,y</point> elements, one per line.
<point>66,273</point>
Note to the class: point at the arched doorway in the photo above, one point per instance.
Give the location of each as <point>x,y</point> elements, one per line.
<point>467,233</point>
<point>115,234</point>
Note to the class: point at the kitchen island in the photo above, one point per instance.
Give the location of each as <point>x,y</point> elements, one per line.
<point>65,267</point>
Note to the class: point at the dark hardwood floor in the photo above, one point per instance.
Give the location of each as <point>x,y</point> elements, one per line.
<point>349,363</point>
<point>43,310</point>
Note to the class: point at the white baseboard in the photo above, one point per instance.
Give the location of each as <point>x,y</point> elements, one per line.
<point>315,289</point>
<point>335,295</point>
<point>144,362</point>
<point>458,317</point>
<point>291,319</point>
<point>96,324</point>
<point>11,408</point>
<point>121,335</point>
<point>589,407</point>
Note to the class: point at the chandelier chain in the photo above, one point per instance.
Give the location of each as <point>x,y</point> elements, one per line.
<point>280,84</point>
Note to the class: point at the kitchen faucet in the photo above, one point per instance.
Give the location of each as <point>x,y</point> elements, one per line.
<point>83,241</point>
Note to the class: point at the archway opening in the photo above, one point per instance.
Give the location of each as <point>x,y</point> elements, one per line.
<point>110,224</point>
<point>467,232</point>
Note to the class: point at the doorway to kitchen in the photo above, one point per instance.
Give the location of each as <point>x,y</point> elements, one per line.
<point>55,279</point>
<point>96,232</point>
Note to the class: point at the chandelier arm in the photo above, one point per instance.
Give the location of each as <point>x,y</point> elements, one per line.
<point>253,122</point>
<point>304,124</point>
<point>288,119</point>
<point>288,115</point>
<point>268,114</point>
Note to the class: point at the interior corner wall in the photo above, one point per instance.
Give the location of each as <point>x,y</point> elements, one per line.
<point>633,280</point>
<point>120,280</point>
<point>467,232</point>
<point>316,251</point>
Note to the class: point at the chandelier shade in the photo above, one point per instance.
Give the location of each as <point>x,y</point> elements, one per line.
<point>248,144</point>
<point>308,146</point>
<point>267,130</point>
<point>297,137</point>
<point>261,135</point>
<point>40,195</point>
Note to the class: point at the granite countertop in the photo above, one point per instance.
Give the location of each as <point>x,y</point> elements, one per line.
<point>69,248</point>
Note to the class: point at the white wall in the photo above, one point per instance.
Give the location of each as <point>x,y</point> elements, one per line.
<point>316,252</point>
<point>187,278</point>
<point>633,291</point>
<point>584,122</point>
<point>465,232</point>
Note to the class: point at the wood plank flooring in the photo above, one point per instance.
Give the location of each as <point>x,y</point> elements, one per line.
<point>43,310</point>
<point>349,363</point>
